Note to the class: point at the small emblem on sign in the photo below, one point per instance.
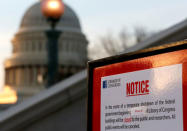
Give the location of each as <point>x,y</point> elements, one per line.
<point>104,84</point>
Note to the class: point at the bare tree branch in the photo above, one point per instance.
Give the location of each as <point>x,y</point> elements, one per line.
<point>110,45</point>
<point>140,33</point>
<point>123,37</point>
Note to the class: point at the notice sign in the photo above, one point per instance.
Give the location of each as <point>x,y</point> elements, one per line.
<point>147,100</point>
<point>140,91</point>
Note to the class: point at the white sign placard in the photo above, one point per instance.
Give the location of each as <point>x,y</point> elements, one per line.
<point>147,100</point>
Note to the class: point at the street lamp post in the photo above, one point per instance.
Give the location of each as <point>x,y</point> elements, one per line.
<point>52,10</point>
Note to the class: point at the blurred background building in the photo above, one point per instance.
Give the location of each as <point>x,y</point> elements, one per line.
<point>26,69</point>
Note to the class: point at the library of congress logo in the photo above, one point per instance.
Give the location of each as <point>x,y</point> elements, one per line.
<point>111,83</point>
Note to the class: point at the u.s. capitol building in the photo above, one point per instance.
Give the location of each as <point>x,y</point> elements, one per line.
<point>26,69</point>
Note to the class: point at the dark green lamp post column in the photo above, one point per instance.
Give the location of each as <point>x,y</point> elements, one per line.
<point>52,10</point>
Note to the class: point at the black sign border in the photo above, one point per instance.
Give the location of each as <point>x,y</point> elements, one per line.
<point>91,65</point>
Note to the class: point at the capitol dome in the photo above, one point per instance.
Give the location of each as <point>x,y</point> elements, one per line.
<point>33,20</point>
<point>25,70</point>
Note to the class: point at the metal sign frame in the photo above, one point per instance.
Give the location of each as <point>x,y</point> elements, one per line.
<point>177,46</point>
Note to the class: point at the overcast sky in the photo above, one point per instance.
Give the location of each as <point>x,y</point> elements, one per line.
<point>97,17</point>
